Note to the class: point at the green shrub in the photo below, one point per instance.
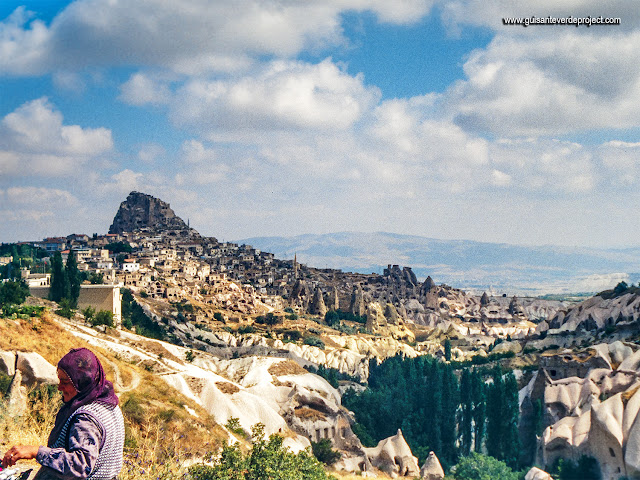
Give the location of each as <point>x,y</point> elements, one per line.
<point>314,342</point>
<point>13,293</point>
<point>5,382</point>
<point>66,309</point>
<point>132,409</point>
<point>484,467</point>
<point>322,451</point>
<point>233,425</point>
<point>585,469</point>
<point>293,335</point>
<point>103,317</point>
<point>267,460</point>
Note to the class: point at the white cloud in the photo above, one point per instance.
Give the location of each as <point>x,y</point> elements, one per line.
<point>150,152</point>
<point>500,179</point>
<point>69,82</point>
<point>29,195</point>
<point>283,95</point>
<point>193,151</point>
<point>200,36</point>
<point>549,84</point>
<point>541,165</point>
<point>35,141</point>
<point>141,89</point>
<point>622,162</point>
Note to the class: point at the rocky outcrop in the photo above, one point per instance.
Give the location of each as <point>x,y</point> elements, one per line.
<point>599,312</point>
<point>141,211</point>
<point>35,369</point>
<point>431,469</point>
<point>592,414</point>
<point>357,306</point>
<point>16,398</point>
<point>536,474</point>
<point>317,305</point>
<point>393,456</point>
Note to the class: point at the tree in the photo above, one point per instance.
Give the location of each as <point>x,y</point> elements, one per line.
<point>13,293</point>
<point>449,408</point>
<point>89,313</point>
<point>73,277</point>
<point>59,282</point>
<point>447,350</point>
<point>482,467</point>
<point>495,412</point>
<point>103,317</point>
<point>96,278</point>
<point>322,451</point>
<point>510,436</point>
<point>267,460</point>
<point>466,412</point>
<point>586,468</point>
<point>479,409</point>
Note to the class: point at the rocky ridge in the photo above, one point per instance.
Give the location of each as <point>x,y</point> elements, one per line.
<point>141,211</point>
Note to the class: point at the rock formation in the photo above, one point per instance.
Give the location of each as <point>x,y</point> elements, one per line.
<point>393,456</point>
<point>431,469</point>
<point>594,415</point>
<point>140,211</point>
<point>536,474</point>
<point>317,305</point>
<point>599,312</point>
<point>357,306</point>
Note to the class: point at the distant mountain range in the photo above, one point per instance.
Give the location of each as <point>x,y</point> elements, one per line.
<point>472,266</point>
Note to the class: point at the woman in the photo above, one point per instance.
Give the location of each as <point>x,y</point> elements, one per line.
<point>88,435</point>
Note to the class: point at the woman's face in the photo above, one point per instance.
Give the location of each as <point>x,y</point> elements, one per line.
<point>66,386</point>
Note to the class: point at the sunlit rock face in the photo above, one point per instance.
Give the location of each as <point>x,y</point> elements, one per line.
<point>393,456</point>
<point>594,412</point>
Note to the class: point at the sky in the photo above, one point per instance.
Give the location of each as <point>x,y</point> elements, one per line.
<point>285,117</point>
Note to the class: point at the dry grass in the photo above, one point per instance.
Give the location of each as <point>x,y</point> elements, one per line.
<point>309,414</point>
<point>34,426</point>
<point>41,335</point>
<point>288,367</point>
<point>228,388</point>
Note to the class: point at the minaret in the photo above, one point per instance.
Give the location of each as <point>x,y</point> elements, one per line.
<point>295,266</point>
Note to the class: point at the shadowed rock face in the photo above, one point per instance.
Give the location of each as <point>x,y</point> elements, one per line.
<point>140,211</point>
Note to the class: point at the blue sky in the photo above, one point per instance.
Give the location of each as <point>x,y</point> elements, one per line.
<point>255,118</point>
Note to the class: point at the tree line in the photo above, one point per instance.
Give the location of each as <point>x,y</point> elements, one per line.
<point>438,409</point>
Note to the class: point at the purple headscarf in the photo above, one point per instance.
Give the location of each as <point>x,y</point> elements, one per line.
<point>86,374</point>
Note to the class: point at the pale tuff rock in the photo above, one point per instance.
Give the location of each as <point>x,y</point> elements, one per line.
<point>8,363</point>
<point>333,299</point>
<point>595,415</point>
<point>317,305</point>
<point>484,299</point>
<point>598,313</point>
<point>16,398</point>
<point>357,306</point>
<point>432,470</point>
<point>391,314</point>
<point>536,474</point>
<point>514,307</point>
<point>393,456</point>
<point>35,369</point>
<point>503,347</point>
<point>375,317</point>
